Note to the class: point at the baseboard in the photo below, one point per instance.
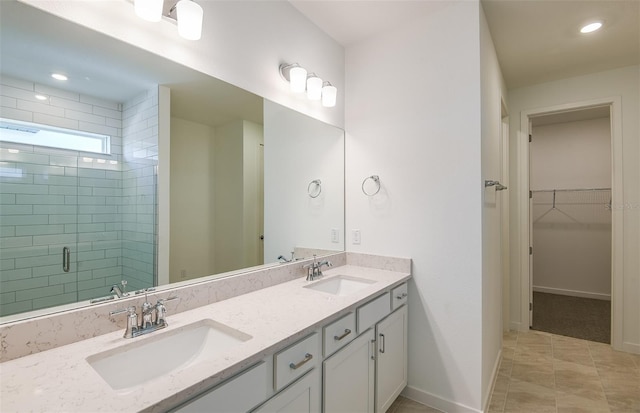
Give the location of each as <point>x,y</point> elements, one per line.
<point>436,402</point>
<point>515,326</point>
<point>631,347</point>
<point>494,378</point>
<point>572,293</point>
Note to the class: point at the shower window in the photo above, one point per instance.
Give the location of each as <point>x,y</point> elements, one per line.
<point>42,135</point>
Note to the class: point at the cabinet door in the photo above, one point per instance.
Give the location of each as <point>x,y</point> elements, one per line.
<point>391,373</point>
<point>349,377</point>
<point>303,396</point>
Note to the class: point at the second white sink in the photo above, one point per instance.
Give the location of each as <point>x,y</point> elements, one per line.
<point>170,350</point>
<point>340,285</point>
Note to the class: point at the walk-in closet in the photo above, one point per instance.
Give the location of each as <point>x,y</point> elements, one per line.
<point>570,182</point>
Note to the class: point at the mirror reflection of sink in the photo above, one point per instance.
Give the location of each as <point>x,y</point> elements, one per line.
<point>340,285</point>
<point>142,361</point>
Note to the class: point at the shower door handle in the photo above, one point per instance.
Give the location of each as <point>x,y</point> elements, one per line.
<point>66,259</point>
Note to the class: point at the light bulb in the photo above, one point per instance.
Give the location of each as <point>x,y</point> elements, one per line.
<point>314,87</point>
<point>298,79</point>
<point>150,10</point>
<point>329,94</point>
<point>189,14</point>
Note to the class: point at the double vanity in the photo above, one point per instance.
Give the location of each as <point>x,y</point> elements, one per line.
<point>337,343</point>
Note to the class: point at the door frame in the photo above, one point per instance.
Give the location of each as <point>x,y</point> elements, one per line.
<point>617,215</point>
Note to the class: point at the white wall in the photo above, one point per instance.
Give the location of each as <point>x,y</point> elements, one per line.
<point>192,200</point>
<point>623,82</point>
<point>413,117</point>
<point>572,242</point>
<point>243,43</point>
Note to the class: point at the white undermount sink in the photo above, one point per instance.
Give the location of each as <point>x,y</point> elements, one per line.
<point>340,285</point>
<point>164,352</point>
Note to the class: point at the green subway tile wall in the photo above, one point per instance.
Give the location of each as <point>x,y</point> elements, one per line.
<point>103,207</point>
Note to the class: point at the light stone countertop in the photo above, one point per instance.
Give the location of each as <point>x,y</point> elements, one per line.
<point>61,379</point>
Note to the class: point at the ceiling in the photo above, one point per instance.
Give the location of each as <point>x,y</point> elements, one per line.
<point>536,40</point>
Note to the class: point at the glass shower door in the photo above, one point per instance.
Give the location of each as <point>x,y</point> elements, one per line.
<point>38,223</point>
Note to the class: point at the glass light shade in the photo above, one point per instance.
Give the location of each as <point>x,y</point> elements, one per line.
<point>189,15</point>
<point>329,94</point>
<point>150,10</point>
<point>314,87</point>
<point>298,79</point>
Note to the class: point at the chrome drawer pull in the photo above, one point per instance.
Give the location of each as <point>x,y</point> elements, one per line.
<point>296,366</point>
<point>346,333</point>
<point>400,297</point>
<point>382,347</point>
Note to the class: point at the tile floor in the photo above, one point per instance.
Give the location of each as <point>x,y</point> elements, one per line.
<point>542,372</point>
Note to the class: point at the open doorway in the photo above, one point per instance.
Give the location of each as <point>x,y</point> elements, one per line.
<point>570,222</point>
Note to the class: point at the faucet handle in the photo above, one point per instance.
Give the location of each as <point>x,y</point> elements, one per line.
<point>131,310</point>
<point>132,320</point>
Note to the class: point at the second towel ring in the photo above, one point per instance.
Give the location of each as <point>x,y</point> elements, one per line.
<point>318,185</point>
<point>374,178</point>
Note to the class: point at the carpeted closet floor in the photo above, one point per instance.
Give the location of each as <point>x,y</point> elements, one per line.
<point>583,318</point>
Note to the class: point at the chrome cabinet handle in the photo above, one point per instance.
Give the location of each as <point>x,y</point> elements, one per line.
<point>66,259</point>
<point>346,333</point>
<point>299,364</point>
<point>400,297</point>
<point>382,346</point>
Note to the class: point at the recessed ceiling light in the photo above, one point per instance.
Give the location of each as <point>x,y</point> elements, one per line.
<point>591,27</point>
<point>59,76</point>
<point>41,97</point>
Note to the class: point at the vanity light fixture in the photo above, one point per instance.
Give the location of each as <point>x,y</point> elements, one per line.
<point>316,88</point>
<point>41,97</point>
<point>329,94</point>
<point>149,10</point>
<point>591,27</point>
<point>187,14</point>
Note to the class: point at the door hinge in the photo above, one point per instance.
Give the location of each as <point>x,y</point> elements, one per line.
<point>530,250</point>
<point>530,137</point>
<point>530,194</point>
<point>530,306</point>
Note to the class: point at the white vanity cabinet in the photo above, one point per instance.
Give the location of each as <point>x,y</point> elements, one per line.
<point>349,377</point>
<point>391,358</point>
<point>239,394</point>
<point>369,373</point>
<point>303,396</point>
<point>334,369</point>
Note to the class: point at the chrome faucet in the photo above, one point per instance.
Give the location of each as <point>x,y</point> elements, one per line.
<point>148,323</point>
<point>120,292</point>
<point>314,269</point>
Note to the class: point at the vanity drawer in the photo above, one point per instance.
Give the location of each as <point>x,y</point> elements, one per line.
<point>399,296</point>
<point>239,394</point>
<point>294,361</point>
<point>370,313</point>
<point>338,333</point>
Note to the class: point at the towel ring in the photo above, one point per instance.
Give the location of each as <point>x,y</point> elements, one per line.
<point>318,185</point>
<point>374,178</point>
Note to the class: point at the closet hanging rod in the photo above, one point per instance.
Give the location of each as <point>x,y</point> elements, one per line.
<point>571,190</point>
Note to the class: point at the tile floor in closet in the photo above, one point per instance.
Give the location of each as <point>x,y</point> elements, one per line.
<point>542,372</point>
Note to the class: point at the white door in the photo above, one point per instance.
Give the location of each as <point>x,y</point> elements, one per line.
<point>349,377</point>
<point>391,367</point>
<point>530,231</point>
